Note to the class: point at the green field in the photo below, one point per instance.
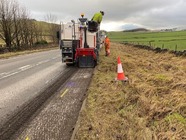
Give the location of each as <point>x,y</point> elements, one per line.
<point>168,40</point>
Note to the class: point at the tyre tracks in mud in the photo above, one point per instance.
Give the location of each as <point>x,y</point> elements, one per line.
<point>53,113</point>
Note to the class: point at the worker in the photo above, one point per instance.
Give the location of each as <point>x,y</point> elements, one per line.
<point>107,46</point>
<point>98,17</point>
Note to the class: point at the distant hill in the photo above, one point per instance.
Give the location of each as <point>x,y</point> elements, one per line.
<point>137,30</point>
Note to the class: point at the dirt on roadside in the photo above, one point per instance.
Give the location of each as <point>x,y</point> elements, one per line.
<point>150,106</point>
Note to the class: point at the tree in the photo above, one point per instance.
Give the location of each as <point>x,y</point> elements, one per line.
<point>52,26</point>
<point>12,17</point>
<point>6,23</point>
<point>16,28</point>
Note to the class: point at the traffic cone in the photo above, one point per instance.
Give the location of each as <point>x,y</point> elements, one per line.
<point>121,75</point>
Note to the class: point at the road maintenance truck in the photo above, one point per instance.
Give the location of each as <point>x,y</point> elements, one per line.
<point>79,42</point>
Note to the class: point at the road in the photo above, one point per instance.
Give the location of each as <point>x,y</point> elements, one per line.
<point>56,118</point>
<point>40,98</point>
<point>24,77</point>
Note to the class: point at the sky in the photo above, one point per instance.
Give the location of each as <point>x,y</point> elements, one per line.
<point>119,14</point>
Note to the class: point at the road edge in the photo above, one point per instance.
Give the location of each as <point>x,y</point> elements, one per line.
<point>82,107</point>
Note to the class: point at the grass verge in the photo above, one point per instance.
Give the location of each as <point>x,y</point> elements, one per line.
<point>150,106</point>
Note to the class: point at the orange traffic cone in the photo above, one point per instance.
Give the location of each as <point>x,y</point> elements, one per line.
<point>121,75</point>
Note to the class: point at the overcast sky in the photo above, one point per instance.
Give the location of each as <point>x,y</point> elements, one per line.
<point>119,14</point>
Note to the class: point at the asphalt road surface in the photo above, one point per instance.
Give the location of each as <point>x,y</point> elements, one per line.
<point>40,98</point>
<point>23,77</point>
<point>56,118</point>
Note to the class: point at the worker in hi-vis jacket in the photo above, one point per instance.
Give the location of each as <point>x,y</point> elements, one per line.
<point>107,46</point>
<point>98,17</point>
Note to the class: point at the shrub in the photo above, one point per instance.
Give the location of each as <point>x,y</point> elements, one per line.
<point>42,42</point>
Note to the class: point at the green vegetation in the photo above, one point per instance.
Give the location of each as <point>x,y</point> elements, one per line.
<point>42,42</point>
<point>150,106</point>
<point>167,40</point>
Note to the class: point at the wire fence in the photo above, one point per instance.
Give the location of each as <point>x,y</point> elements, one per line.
<point>160,48</point>
<point>175,47</point>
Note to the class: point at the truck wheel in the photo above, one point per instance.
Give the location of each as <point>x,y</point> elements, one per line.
<point>95,63</point>
<point>69,64</point>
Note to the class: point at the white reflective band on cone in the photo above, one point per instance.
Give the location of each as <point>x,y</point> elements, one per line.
<point>120,69</point>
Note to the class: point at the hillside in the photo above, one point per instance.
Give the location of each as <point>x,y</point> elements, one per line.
<point>137,30</point>
<point>150,106</point>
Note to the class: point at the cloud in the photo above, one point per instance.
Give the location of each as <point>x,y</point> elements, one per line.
<point>147,13</point>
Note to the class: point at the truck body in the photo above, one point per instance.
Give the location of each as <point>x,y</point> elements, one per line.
<point>79,43</point>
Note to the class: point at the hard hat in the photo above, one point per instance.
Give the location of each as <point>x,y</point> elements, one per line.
<point>102,12</point>
<point>82,15</point>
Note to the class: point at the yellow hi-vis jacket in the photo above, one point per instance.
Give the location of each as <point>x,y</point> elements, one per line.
<point>97,17</point>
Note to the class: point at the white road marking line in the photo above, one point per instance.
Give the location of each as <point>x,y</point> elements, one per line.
<point>41,62</point>
<point>4,73</point>
<point>25,67</point>
<point>9,75</point>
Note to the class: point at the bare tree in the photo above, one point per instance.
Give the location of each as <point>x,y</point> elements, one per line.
<point>16,29</point>
<point>16,10</point>
<point>52,26</point>
<point>24,29</point>
<point>6,24</point>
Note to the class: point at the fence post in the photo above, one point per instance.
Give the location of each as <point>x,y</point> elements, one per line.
<point>163,46</point>
<point>149,43</point>
<point>176,47</point>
